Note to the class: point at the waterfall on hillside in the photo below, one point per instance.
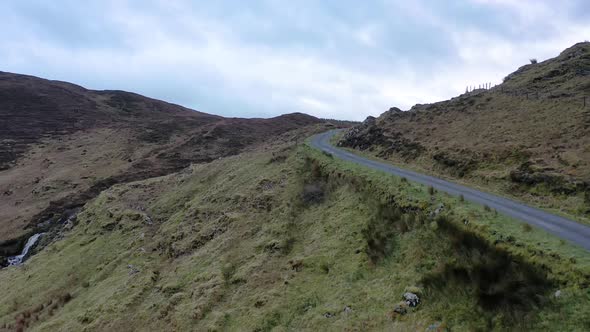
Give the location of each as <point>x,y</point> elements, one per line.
<point>18,259</point>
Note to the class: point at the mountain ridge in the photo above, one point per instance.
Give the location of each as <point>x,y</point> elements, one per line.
<point>61,144</point>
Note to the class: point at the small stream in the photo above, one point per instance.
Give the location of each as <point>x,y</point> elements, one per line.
<point>19,259</point>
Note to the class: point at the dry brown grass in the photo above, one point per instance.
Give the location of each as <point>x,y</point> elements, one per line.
<point>532,129</point>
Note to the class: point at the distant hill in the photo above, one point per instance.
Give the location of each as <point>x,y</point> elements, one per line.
<point>528,137</point>
<point>61,144</point>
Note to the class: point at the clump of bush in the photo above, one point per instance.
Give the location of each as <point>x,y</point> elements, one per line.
<point>227,271</point>
<point>380,232</point>
<point>431,190</point>
<point>527,227</point>
<point>313,193</point>
<point>327,154</point>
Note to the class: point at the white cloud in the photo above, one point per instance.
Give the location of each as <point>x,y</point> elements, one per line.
<point>367,35</point>
<point>181,56</point>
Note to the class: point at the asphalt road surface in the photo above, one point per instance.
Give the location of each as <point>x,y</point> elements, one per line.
<point>559,226</point>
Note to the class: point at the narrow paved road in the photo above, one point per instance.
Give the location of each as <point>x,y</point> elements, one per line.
<point>564,228</point>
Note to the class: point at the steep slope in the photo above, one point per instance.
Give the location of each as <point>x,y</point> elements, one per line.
<point>288,238</point>
<point>61,144</point>
<point>528,137</point>
<point>34,108</point>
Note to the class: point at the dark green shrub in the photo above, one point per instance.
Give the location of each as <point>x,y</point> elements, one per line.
<point>327,154</point>
<point>313,193</point>
<point>381,230</point>
<point>227,271</point>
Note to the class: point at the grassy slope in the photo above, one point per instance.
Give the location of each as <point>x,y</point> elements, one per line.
<point>493,174</point>
<point>61,144</point>
<point>567,206</point>
<point>243,243</point>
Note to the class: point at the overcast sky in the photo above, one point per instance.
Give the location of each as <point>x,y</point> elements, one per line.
<point>343,59</point>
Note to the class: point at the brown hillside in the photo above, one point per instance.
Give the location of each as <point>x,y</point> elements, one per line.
<point>528,137</point>
<point>61,144</point>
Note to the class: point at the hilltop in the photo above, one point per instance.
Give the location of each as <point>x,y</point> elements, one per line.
<point>62,144</point>
<point>528,137</point>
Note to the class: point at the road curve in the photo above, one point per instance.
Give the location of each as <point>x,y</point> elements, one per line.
<point>561,227</point>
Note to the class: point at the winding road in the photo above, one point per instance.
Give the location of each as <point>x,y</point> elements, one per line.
<point>561,227</point>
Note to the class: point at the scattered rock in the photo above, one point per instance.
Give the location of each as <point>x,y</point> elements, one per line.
<point>132,269</point>
<point>411,299</point>
<point>70,222</point>
<point>557,293</point>
<point>148,220</point>
<point>438,210</point>
<point>347,310</point>
<point>329,315</point>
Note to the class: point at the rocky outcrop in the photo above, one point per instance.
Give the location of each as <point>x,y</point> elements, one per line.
<point>363,136</point>
<point>529,174</point>
<point>397,144</point>
<point>411,299</point>
<point>369,135</point>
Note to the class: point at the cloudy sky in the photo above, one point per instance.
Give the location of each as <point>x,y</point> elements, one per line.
<point>343,59</point>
